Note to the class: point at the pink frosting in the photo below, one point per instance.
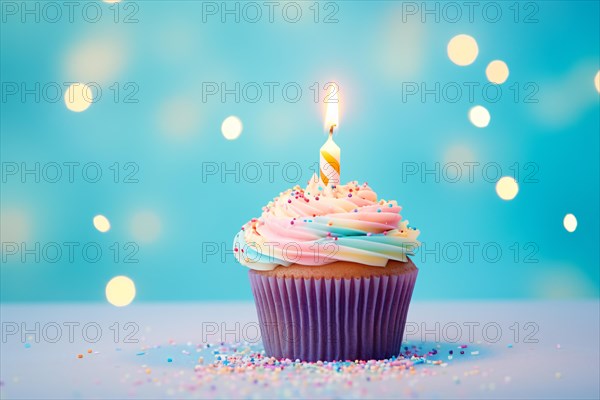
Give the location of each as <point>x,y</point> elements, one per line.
<point>317,226</point>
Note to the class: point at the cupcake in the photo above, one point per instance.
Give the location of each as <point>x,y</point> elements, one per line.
<point>330,273</point>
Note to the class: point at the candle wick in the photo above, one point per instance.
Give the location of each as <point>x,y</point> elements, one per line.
<point>331,129</point>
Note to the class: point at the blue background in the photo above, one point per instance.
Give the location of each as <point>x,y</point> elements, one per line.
<point>171,133</point>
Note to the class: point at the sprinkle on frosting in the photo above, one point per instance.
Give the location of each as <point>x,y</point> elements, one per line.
<point>347,223</point>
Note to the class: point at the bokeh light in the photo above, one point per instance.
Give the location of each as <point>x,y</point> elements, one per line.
<point>97,59</point>
<point>459,153</point>
<point>232,127</point>
<point>570,223</point>
<point>507,188</point>
<point>178,117</point>
<point>120,291</point>
<point>78,97</point>
<point>101,223</point>
<point>497,72</point>
<point>597,81</point>
<point>463,50</point>
<point>562,281</point>
<point>145,226</point>
<point>574,84</point>
<point>14,226</point>
<point>401,49</point>
<point>479,116</point>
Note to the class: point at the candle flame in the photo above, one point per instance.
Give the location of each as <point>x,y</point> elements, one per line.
<point>332,118</point>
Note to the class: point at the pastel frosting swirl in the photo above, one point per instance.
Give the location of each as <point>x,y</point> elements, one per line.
<point>320,225</point>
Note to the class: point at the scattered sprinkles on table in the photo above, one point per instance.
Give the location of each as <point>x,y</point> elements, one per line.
<point>241,369</point>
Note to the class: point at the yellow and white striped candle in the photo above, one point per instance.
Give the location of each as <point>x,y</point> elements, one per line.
<point>329,164</point>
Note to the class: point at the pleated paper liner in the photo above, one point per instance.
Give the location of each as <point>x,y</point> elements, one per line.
<point>333,319</point>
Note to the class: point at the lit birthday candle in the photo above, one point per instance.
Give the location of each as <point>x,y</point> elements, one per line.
<point>329,164</point>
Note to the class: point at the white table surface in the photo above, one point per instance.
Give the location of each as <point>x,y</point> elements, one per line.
<point>563,363</point>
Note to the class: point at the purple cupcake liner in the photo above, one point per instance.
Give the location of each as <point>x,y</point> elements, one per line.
<point>333,319</point>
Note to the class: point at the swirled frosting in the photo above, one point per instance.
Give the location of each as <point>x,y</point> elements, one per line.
<point>320,225</point>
